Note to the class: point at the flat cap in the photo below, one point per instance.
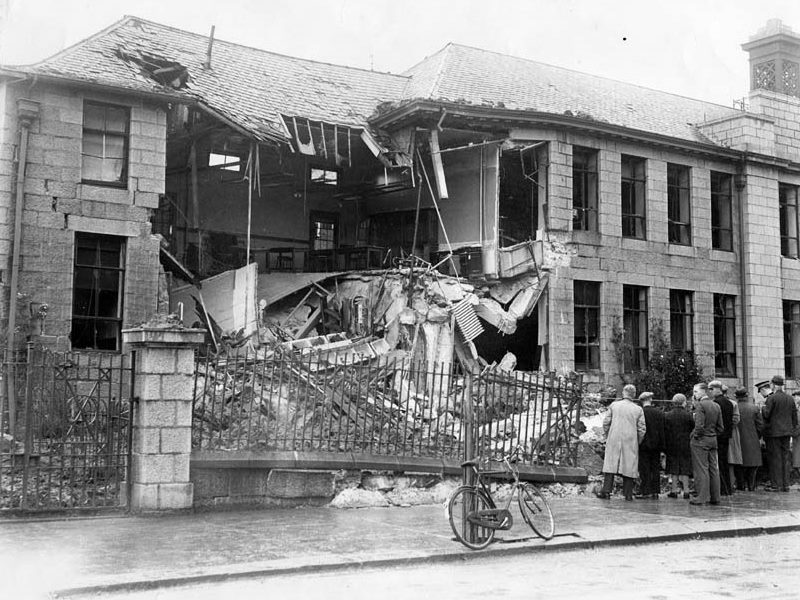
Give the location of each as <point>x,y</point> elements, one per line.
<point>777,379</point>
<point>740,392</point>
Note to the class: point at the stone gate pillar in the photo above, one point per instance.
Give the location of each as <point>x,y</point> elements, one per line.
<point>162,422</point>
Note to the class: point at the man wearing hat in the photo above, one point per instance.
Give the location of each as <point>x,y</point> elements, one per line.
<point>780,419</point>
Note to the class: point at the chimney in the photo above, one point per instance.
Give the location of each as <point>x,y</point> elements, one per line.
<point>207,63</point>
<point>775,59</point>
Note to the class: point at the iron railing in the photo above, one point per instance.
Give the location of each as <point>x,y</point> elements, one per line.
<point>65,427</point>
<point>322,402</point>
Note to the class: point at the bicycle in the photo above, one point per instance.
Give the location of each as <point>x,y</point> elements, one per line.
<point>475,517</point>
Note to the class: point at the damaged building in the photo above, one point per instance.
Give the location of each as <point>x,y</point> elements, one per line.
<point>474,206</point>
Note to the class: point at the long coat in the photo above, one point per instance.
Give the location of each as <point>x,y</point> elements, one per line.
<point>678,425</point>
<point>624,428</point>
<point>751,424</point>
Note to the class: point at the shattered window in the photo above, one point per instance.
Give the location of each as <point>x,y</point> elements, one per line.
<point>679,226</point>
<point>721,211</point>
<point>324,176</point>
<point>724,335</point>
<point>104,153</point>
<point>791,338</point>
<point>634,323</point>
<point>790,239</point>
<point>323,231</point>
<point>584,189</point>
<point>227,162</point>
<point>97,291</point>
<point>681,320</point>
<point>633,198</point>
<point>587,325</point>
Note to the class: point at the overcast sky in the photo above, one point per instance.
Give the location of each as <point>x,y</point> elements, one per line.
<point>688,47</point>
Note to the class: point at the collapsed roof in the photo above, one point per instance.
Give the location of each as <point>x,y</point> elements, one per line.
<point>252,88</point>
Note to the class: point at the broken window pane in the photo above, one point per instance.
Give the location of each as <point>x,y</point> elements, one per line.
<point>98,283</point>
<point>721,211</point>
<point>681,320</point>
<point>584,189</point>
<point>790,240</point>
<point>679,205</point>
<point>587,325</point>
<point>724,335</point>
<point>634,323</point>
<point>324,176</point>
<point>633,197</point>
<point>105,144</point>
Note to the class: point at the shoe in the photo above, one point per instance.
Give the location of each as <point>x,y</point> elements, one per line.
<point>713,502</point>
<point>696,502</point>
<point>654,496</point>
<point>769,488</point>
<point>686,495</point>
<point>673,495</point>
<point>785,489</point>
<point>602,495</point>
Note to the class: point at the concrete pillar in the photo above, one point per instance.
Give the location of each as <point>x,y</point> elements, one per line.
<point>162,424</point>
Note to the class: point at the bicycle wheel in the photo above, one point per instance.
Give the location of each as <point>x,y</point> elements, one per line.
<point>536,511</point>
<point>463,501</point>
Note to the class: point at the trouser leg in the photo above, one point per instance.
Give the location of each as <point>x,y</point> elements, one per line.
<point>713,476</point>
<point>722,462</point>
<point>627,487</point>
<point>774,461</point>
<point>700,470</point>
<point>608,483</point>
<point>741,476</point>
<point>786,460</point>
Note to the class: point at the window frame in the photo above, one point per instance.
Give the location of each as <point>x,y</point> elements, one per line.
<point>585,192</point>
<point>98,243</point>
<point>635,326</point>
<point>717,196</point>
<point>590,318</point>
<point>679,201</point>
<point>324,183</point>
<point>791,338</point>
<point>789,219</point>
<point>681,319</point>
<point>125,136</point>
<point>724,335</point>
<point>633,191</point>
<point>319,217</point>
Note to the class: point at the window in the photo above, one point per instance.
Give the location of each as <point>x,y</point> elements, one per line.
<point>679,227</point>
<point>587,325</point>
<point>724,335</point>
<point>633,198</point>
<point>97,291</point>
<point>227,162</point>
<point>634,322</point>
<point>721,207</point>
<point>790,240</point>
<point>584,189</point>
<point>791,338</point>
<point>323,231</point>
<point>324,176</point>
<point>681,320</point>
<point>104,154</point>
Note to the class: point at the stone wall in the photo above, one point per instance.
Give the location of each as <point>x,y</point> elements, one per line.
<point>57,204</point>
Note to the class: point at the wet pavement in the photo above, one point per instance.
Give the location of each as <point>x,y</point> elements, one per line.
<point>113,553</point>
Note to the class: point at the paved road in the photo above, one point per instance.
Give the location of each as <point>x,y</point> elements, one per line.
<point>765,566</point>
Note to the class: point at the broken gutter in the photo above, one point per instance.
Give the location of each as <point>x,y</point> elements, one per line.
<point>409,111</point>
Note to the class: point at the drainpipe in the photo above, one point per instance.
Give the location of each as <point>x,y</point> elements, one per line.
<point>740,181</point>
<point>27,113</point>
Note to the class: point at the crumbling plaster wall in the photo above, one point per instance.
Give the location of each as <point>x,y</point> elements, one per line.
<point>57,204</point>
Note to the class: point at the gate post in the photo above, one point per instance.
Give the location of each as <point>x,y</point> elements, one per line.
<point>162,420</point>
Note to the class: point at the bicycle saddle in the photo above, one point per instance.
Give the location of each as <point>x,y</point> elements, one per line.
<point>471,463</point>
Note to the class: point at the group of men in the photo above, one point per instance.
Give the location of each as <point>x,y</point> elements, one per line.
<point>635,439</point>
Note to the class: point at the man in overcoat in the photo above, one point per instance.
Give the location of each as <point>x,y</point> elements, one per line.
<point>650,448</point>
<point>707,426</point>
<point>780,419</point>
<point>751,424</point>
<point>624,427</point>
<point>716,393</point>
